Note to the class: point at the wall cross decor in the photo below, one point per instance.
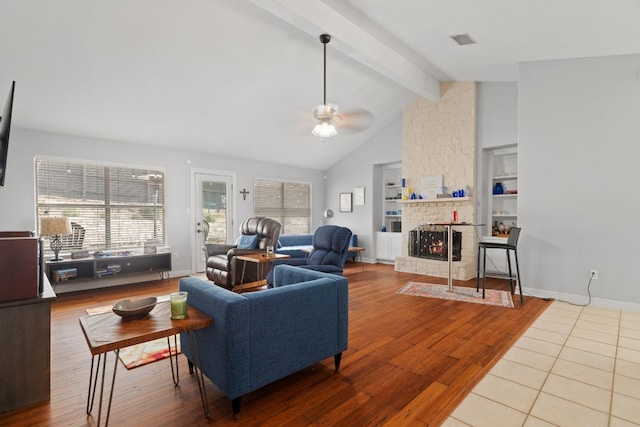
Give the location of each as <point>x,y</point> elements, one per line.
<point>244,193</point>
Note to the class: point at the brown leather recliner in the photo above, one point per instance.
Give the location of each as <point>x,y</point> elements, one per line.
<point>224,269</point>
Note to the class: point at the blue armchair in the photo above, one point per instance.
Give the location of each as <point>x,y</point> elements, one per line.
<point>259,337</point>
<point>329,253</point>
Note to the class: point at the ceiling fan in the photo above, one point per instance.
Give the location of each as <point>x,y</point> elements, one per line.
<point>326,115</point>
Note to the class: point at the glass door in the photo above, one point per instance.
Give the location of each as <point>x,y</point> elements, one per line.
<point>213,213</point>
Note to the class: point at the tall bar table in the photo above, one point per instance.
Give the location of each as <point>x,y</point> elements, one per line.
<point>450,226</point>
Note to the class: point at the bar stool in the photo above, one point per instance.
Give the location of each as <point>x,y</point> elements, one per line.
<point>511,245</point>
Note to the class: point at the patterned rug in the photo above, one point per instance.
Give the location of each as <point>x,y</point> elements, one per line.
<point>148,352</point>
<point>430,290</point>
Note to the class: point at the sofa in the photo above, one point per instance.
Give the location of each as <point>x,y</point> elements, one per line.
<point>295,245</point>
<point>259,337</point>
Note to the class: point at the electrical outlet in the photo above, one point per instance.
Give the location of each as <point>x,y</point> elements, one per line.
<point>593,274</point>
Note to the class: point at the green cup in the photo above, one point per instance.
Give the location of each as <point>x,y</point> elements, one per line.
<point>178,305</point>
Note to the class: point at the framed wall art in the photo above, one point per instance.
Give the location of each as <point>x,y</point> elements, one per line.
<point>346,202</point>
<point>358,196</point>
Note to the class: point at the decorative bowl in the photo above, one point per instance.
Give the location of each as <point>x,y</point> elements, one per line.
<point>134,308</point>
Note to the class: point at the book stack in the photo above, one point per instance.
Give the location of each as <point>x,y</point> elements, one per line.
<point>64,274</point>
<point>109,270</point>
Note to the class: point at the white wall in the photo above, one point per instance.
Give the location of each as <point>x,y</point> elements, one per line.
<point>579,128</point>
<point>497,127</point>
<point>17,197</point>
<point>497,114</point>
<point>356,170</point>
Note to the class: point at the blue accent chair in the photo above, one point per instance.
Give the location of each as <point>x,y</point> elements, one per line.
<point>329,253</point>
<point>257,338</point>
<point>295,245</point>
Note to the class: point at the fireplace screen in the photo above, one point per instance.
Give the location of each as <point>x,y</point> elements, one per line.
<point>429,241</point>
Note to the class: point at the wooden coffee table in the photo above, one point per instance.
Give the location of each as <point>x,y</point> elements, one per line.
<point>261,259</point>
<point>109,332</point>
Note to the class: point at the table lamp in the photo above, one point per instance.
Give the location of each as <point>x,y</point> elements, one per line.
<point>54,227</point>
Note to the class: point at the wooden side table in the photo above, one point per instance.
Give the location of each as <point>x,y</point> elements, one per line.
<point>109,332</point>
<point>261,259</point>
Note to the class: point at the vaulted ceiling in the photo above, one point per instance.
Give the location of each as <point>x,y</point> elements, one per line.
<point>241,77</point>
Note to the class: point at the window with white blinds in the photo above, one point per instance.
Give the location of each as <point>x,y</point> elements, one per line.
<point>116,207</point>
<point>289,203</point>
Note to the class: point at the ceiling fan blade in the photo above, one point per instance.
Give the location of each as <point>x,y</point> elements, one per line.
<point>353,121</point>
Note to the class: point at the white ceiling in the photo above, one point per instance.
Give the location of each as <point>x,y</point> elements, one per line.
<point>242,77</point>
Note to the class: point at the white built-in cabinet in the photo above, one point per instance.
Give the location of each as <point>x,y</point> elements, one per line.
<point>389,242</point>
<point>392,193</point>
<point>502,209</point>
<point>388,246</point>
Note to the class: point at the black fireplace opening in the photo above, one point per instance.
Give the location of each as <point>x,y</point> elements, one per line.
<point>431,242</point>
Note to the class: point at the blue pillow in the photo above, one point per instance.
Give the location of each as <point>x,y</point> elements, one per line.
<point>248,241</point>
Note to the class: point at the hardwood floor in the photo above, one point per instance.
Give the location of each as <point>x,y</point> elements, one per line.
<point>410,361</point>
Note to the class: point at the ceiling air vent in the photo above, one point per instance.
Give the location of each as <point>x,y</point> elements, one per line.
<point>463,39</point>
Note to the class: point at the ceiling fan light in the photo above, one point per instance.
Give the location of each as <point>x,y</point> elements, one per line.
<point>325,112</point>
<point>324,129</point>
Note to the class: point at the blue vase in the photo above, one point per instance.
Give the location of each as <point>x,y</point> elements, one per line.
<point>498,188</point>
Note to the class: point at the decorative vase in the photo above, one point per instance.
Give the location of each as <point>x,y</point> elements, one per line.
<point>498,188</point>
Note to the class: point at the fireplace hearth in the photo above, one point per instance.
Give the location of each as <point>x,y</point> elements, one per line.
<point>430,242</point>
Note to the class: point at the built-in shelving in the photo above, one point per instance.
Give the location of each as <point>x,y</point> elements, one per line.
<point>392,193</point>
<point>503,208</point>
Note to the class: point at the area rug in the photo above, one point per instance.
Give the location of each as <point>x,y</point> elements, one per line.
<point>148,352</point>
<point>430,290</point>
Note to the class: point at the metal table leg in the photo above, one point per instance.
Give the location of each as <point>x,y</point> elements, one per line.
<point>175,377</point>
<point>93,380</point>
<point>92,394</point>
<point>192,340</point>
<point>450,256</point>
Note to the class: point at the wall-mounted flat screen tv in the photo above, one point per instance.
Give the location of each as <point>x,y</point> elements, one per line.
<point>5,129</point>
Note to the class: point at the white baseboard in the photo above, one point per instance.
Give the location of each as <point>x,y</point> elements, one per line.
<point>582,300</point>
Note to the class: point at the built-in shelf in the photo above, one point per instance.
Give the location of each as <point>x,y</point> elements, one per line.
<point>392,192</point>
<point>502,209</point>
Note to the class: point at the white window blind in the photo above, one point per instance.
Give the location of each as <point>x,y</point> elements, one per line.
<point>289,203</point>
<point>116,207</point>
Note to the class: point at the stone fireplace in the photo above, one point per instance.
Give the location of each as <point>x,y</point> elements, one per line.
<point>439,138</point>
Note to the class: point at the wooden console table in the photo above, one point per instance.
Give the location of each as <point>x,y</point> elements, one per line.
<point>93,272</point>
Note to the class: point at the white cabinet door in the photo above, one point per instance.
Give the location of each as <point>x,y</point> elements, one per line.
<point>382,246</point>
<point>388,246</point>
<point>395,245</point>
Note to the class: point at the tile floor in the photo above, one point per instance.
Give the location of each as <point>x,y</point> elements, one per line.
<point>575,366</point>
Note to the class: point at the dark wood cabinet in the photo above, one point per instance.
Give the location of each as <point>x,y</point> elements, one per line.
<point>25,334</point>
